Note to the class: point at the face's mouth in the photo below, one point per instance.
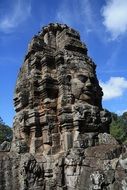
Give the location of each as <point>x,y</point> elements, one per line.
<point>87,92</point>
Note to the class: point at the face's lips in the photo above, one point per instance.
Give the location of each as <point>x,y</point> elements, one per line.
<point>87,92</point>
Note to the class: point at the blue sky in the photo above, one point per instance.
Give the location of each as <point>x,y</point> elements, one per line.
<point>102,25</point>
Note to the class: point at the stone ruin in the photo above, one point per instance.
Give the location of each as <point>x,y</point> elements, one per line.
<point>61,137</point>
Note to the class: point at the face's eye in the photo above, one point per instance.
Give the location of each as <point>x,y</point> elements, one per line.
<point>68,78</point>
<point>82,78</point>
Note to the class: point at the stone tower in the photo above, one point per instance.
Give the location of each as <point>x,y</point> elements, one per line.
<point>61,137</point>
<point>57,96</point>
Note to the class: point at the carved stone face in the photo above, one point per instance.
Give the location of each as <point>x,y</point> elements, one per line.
<point>84,87</point>
<point>57,88</point>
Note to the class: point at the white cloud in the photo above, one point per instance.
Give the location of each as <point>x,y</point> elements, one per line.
<point>64,15</point>
<point>4,60</point>
<point>21,10</point>
<point>76,12</point>
<point>115,17</point>
<point>68,13</point>
<point>82,14</point>
<point>114,87</point>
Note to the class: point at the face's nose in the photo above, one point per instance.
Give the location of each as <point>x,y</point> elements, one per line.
<point>88,83</point>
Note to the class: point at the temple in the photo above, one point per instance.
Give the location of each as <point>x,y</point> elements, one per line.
<point>61,137</point>
<point>58,97</point>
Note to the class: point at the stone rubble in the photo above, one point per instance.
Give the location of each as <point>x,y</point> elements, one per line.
<point>61,137</point>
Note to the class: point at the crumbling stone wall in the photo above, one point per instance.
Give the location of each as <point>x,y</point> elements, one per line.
<point>61,134</point>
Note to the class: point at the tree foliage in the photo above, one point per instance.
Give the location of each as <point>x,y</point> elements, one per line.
<point>118,127</point>
<point>5,132</point>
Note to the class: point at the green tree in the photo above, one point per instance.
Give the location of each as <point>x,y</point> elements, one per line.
<point>5,132</point>
<point>118,127</point>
